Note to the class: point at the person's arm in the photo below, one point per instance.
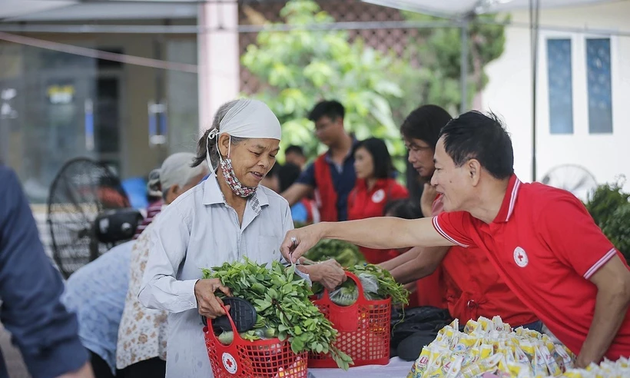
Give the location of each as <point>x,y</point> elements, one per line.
<point>378,233</point>
<point>399,260</point>
<point>577,242</point>
<point>613,296</point>
<point>302,187</point>
<point>426,261</point>
<point>294,193</point>
<point>30,288</point>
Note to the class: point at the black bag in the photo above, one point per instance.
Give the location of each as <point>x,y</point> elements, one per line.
<point>418,327</point>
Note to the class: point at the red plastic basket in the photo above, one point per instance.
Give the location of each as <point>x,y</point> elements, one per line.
<point>363,329</point>
<point>253,359</point>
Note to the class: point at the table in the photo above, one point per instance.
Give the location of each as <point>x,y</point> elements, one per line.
<point>396,368</point>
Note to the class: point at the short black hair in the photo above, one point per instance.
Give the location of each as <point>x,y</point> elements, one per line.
<point>383,166</point>
<point>474,135</point>
<point>403,208</point>
<point>294,149</point>
<point>425,124</point>
<point>330,108</point>
<point>287,174</point>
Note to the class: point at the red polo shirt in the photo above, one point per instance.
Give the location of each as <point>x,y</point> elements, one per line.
<point>546,246</point>
<point>474,288</point>
<point>364,203</point>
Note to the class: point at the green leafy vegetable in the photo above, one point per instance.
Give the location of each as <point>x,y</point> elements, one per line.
<point>281,299</point>
<point>345,253</point>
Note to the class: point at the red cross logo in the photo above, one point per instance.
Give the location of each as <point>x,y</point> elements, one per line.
<point>520,257</point>
<point>229,363</point>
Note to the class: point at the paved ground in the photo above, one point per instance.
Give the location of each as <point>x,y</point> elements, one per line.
<point>12,356</point>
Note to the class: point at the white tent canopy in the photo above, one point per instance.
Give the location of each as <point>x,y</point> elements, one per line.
<point>458,8</point>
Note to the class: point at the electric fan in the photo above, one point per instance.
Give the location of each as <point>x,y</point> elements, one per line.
<point>572,178</point>
<point>86,203</point>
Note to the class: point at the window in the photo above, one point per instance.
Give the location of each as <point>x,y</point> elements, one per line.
<point>599,85</point>
<point>559,72</point>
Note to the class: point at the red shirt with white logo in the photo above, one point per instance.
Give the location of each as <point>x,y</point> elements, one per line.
<point>474,288</point>
<point>546,247</point>
<point>364,203</point>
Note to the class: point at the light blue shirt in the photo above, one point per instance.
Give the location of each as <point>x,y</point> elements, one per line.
<point>96,293</point>
<point>200,230</point>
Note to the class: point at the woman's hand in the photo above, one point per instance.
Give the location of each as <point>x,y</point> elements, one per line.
<point>426,200</point>
<point>207,303</point>
<point>328,273</point>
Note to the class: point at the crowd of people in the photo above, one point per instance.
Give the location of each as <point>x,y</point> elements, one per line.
<point>479,243</point>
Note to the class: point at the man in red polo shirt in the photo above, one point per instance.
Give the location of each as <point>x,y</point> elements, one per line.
<point>472,286</point>
<point>540,239</point>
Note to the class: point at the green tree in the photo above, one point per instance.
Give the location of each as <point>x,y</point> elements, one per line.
<point>436,54</point>
<point>302,67</point>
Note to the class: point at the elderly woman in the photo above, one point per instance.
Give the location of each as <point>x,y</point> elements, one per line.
<point>227,218</point>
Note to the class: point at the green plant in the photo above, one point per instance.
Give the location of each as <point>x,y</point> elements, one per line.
<point>604,201</point>
<point>610,210</point>
<point>617,229</point>
<point>283,307</point>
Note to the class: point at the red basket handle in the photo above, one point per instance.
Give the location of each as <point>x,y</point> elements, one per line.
<point>361,299</point>
<point>234,331</point>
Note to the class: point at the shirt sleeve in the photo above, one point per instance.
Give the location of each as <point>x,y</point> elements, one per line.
<point>30,288</point>
<point>307,177</point>
<point>160,288</point>
<point>572,235</point>
<point>455,227</point>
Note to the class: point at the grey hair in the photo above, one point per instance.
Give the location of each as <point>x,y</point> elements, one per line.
<point>203,149</point>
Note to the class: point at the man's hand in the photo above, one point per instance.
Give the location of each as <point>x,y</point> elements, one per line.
<point>297,242</point>
<point>209,305</point>
<point>426,200</point>
<point>84,372</point>
<point>329,273</point>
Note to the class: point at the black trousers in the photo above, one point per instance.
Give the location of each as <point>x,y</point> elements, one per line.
<point>100,367</point>
<point>151,368</point>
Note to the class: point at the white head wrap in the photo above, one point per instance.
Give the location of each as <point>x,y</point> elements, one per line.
<point>248,119</point>
<point>175,170</point>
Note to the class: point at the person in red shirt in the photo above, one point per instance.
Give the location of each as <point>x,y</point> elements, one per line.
<point>373,189</point>
<point>541,240</point>
<point>471,286</point>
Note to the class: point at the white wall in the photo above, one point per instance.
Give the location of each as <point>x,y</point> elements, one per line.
<point>509,94</point>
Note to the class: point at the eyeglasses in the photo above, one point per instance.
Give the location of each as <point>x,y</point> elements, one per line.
<point>321,126</point>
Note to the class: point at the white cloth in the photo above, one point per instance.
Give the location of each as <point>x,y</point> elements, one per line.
<point>199,230</point>
<point>143,332</point>
<point>251,119</point>
<point>395,368</point>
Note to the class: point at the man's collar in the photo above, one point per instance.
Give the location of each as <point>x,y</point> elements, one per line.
<point>509,200</point>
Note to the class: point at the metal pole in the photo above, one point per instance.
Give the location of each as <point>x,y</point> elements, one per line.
<point>534,14</point>
<point>464,66</point>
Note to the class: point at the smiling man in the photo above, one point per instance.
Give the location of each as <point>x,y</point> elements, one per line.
<point>541,240</point>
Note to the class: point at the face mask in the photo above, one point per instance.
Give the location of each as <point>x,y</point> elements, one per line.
<point>231,179</point>
<point>227,169</point>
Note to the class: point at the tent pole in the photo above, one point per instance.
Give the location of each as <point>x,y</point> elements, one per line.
<point>464,65</point>
<point>534,15</point>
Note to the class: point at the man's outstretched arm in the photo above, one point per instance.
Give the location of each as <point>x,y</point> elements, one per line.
<point>379,233</point>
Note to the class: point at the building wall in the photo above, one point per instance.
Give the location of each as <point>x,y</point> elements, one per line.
<point>509,93</point>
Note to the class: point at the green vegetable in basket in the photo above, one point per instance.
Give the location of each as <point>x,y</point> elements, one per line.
<point>345,253</point>
<point>281,299</point>
<point>377,284</point>
<point>226,337</point>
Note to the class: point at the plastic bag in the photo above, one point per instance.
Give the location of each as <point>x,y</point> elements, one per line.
<point>345,295</point>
